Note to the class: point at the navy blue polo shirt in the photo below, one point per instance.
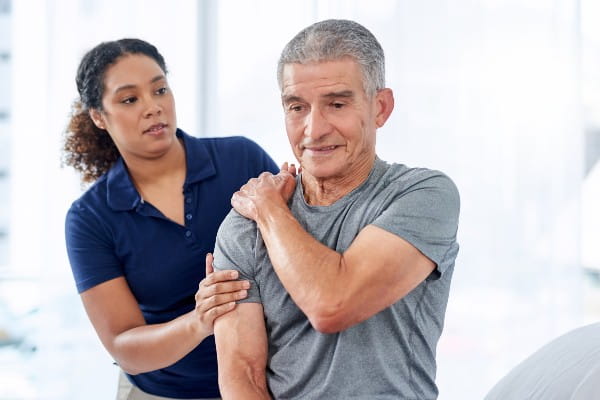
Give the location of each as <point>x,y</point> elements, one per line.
<point>112,232</point>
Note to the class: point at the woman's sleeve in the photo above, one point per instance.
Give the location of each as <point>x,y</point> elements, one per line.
<point>90,248</point>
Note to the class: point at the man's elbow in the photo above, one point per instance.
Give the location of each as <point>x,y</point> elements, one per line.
<point>330,321</point>
<point>325,326</point>
<point>249,384</point>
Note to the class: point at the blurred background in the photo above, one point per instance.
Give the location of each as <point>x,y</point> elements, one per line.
<point>502,95</point>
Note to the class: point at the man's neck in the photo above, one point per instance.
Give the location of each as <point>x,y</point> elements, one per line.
<point>326,191</point>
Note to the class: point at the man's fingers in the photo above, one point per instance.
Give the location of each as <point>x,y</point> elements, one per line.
<point>292,169</point>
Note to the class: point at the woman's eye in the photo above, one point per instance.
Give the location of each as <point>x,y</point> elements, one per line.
<point>129,100</point>
<point>162,90</point>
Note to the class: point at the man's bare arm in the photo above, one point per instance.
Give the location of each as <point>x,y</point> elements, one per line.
<point>241,340</point>
<point>335,290</point>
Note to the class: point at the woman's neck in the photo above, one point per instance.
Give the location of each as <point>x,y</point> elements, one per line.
<point>147,171</point>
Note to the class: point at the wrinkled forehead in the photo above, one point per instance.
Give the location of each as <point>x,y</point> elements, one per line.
<point>313,75</point>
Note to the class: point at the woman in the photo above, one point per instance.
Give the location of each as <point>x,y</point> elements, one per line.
<point>137,238</point>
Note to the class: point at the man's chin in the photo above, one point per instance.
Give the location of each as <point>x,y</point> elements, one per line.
<point>320,172</point>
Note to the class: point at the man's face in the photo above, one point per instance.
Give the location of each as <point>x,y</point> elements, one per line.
<point>330,120</point>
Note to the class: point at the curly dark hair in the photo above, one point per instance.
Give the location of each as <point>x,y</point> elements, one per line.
<point>87,148</point>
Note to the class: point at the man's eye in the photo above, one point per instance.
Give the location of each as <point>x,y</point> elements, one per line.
<point>296,108</point>
<point>129,100</point>
<point>162,90</point>
<point>338,105</point>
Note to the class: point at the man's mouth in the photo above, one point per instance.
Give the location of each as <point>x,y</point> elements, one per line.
<point>318,149</point>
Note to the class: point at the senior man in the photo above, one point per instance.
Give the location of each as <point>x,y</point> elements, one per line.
<point>350,261</point>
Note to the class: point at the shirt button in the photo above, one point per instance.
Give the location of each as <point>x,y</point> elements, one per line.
<point>188,216</point>
<point>188,200</point>
<point>188,234</point>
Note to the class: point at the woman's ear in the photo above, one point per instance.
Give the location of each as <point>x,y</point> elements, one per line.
<point>97,118</point>
<point>385,106</point>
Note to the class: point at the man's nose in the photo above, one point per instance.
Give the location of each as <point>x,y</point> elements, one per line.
<point>317,124</point>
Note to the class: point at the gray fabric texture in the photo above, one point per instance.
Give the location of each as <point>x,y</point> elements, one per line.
<point>567,368</point>
<point>392,354</point>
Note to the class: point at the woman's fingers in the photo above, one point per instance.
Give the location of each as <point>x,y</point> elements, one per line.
<point>218,292</point>
<point>209,264</point>
<point>214,289</point>
<point>216,312</point>
<point>219,300</point>
<point>212,307</point>
<point>219,276</point>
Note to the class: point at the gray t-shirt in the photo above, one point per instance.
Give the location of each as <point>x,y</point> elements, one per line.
<point>392,354</point>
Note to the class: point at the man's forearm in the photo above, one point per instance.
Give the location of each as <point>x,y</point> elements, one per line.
<point>241,340</point>
<point>311,272</point>
<point>243,387</point>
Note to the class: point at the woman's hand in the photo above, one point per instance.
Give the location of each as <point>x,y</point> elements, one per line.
<point>217,294</point>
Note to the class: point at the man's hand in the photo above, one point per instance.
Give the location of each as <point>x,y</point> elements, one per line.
<point>265,191</point>
<point>291,168</point>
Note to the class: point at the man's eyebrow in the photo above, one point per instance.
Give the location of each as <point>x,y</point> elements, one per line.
<point>343,93</point>
<point>290,98</point>
<point>153,80</point>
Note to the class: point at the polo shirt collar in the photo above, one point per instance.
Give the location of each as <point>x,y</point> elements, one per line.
<point>122,194</point>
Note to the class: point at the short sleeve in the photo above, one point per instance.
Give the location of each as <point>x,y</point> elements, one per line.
<point>235,249</point>
<point>426,215</point>
<point>90,249</point>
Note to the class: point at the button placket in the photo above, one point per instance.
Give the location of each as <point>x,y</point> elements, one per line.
<point>188,213</point>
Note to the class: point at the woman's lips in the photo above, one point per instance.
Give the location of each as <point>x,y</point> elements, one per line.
<point>155,129</point>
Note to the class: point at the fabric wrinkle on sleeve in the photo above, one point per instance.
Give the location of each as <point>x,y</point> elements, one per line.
<point>426,216</point>
<point>235,249</point>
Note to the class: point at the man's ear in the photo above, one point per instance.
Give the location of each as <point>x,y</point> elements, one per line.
<point>97,118</point>
<point>384,100</point>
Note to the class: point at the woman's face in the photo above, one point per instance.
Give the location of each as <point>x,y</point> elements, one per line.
<point>138,108</point>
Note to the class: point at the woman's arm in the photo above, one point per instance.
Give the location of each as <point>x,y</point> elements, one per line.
<point>138,347</point>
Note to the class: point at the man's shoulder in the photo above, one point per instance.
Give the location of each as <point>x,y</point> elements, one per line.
<point>403,178</point>
<point>236,242</point>
<point>235,226</point>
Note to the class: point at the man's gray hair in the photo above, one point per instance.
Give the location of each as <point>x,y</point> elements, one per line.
<point>335,39</point>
